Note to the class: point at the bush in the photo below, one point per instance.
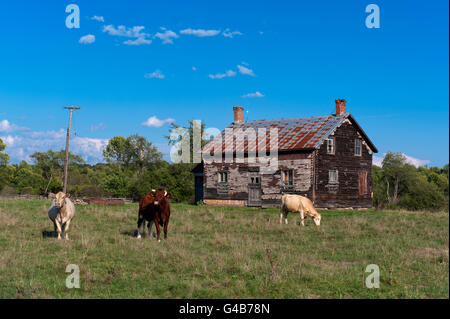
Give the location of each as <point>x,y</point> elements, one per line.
<point>92,191</point>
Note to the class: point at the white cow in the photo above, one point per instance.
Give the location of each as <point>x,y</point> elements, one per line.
<point>297,203</point>
<point>61,213</point>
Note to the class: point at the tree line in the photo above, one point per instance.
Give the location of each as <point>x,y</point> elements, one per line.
<point>134,165</point>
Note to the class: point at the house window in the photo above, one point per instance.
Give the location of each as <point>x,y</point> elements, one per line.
<point>333,177</point>
<point>288,177</point>
<point>330,145</point>
<point>254,180</point>
<point>358,147</point>
<point>223,177</point>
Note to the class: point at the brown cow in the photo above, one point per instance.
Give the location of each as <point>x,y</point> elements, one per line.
<point>146,212</point>
<point>155,208</point>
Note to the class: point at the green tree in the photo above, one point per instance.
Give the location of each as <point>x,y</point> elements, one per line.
<point>116,184</point>
<point>117,151</point>
<point>379,187</point>
<point>395,172</point>
<point>421,194</point>
<point>26,177</point>
<point>51,165</point>
<point>4,158</point>
<point>141,153</point>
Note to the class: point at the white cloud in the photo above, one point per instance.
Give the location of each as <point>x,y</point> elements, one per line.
<point>98,18</point>
<point>245,71</point>
<point>229,34</point>
<point>378,160</point>
<point>157,75</point>
<point>90,149</point>
<point>20,148</point>
<point>200,32</point>
<point>256,94</point>
<point>228,73</point>
<point>155,122</point>
<point>138,41</point>
<point>7,127</point>
<point>87,39</point>
<point>123,31</point>
<point>133,32</point>
<point>166,36</point>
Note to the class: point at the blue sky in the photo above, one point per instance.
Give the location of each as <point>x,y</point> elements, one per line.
<point>282,58</point>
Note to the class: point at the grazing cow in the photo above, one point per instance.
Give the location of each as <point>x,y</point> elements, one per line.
<point>61,213</point>
<point>146,212</point>
<point>297,203</point>
<point>155,208</point>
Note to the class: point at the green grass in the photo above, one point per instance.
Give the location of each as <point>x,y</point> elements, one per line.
<point>215,252</point>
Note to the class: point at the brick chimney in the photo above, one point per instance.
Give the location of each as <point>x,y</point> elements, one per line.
<point>340,107</point>
<point>238,114</point>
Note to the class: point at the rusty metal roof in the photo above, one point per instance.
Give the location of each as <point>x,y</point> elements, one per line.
<point>293,134</point>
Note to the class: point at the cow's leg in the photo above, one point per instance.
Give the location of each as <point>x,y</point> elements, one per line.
<point>54,228</point>
<point>66,229</point>
<point>58,227</point>
<point>158,231</point>
<point>139,223</point>
<point>166,224</point>
<point>281,214</point>
<point>302,217</point>
<point>150,231</point>
<point>285,217</point>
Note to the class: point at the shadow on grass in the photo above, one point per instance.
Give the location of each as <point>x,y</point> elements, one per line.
<point>133,233</point>
<point>130,233</point>
<point>49,234</point>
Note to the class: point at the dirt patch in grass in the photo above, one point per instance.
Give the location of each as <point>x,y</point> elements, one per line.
<point>428,252</point>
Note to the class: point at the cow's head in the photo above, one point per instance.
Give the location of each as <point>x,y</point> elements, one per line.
<point>160,194</point>
<point>317,219</point>
<point>59,199</point>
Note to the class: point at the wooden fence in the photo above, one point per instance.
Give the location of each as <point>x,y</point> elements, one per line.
<point>76,200</point>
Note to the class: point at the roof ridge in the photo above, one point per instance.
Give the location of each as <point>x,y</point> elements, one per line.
<point>291,119</point>
<point>294,133</point>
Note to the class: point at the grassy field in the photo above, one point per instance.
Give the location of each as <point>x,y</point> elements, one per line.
<point>223,253</point>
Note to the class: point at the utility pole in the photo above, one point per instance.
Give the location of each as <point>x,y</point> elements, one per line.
<point>66,161</point>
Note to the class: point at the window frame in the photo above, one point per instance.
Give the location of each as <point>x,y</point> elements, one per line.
<point>360,147</point>
<point>333,144</point>
<point>290,173</point>
<point>220,177</point>
<point>336,174</point>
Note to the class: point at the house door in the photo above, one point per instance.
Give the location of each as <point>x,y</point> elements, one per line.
<point>198,188</point>
<point>362,183</point>
<point>254,190</point>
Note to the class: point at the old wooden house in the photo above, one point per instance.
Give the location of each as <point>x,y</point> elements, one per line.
<point>326,158</point>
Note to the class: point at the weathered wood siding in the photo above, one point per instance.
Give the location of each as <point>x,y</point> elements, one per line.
<point>271,184</point>
<point>311,176</point>
<point>349,167</point>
